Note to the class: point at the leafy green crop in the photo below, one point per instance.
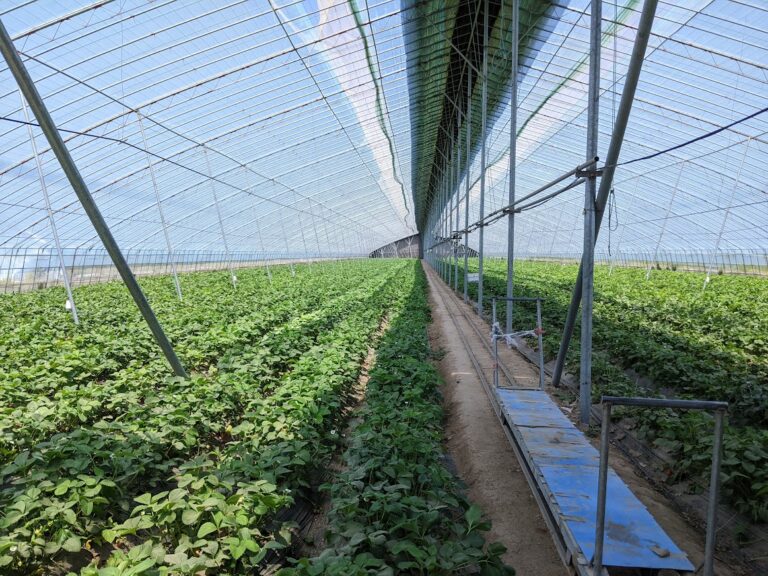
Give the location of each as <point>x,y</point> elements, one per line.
<point>111,466</point>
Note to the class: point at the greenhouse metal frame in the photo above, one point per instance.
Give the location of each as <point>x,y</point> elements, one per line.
<point>162,138</point>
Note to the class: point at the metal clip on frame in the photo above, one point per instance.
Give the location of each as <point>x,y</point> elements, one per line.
<point>498,334</point>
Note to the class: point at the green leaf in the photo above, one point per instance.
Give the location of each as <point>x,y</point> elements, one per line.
<point>72,544</point>
<point>87,507</point>
<point>176,494</point>
<point>62,488</point>
<point>357,538</point>
<point>473,515</point>
<point>189,517</point>
<point>142,566</point>
<point>238,548</point>
<point>145,499</point>
<point>109,535</point>
<point>69,515</point>
<point>206,529</point>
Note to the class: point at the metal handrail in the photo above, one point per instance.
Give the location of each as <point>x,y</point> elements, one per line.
<point>539,332</point>
<point>720,409</point>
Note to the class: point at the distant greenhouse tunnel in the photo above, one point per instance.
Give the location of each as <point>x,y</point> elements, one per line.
<point>408,247</point>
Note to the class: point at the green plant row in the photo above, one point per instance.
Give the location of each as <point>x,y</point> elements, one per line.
<point>691,343</point>
<point>66,499</point>
<point>263,347</point>
<point>396,509</point>
<point>214,515</point>
<point>44,351</point>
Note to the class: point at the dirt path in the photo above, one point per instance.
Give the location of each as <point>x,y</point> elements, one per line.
<point>482,453</point>
<point>486,461</point>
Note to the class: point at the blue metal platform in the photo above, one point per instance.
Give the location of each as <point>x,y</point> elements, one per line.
<point>562,468</point>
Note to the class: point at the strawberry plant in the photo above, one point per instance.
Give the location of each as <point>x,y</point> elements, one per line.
<point>111,466</point>
<point>395,508</point>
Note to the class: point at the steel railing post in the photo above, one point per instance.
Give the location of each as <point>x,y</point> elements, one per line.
<point>495,344</point>
<point>588,257</point>
<point>719,409</point>
<point>483,127</point>
<point>449,236</point>
<point>602,489</point>
<point>468,137</point>
<point>457,190</point>
<point>714,494</point>
<point>512,165</point>
<point>540,342</point>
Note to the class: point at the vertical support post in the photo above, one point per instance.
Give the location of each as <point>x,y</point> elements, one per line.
<point>444,220</point>
<point>449,239</point>
<point>221,220</point>
<point>588,258</point>
<point>31,281</point>
<point>168,244</point>
<point>727,213</point>
<point>441,225</point>
<point>714,495</point>
<point>261,240</point>
<point>436,234</point>
<point>540,343</point>
<point>466,191</point>
<point>51,219</point>
<point>287,249</point>
<point>301,224</point>
<point>495,345</point>
<point>12,269</point>
<point>81,189</point>
<point>483,122</point>
<point>602,488</point>
<point>512,165</point>
<point>314,228</point>
<point>664,223</point>
<point>434,248</point>
<point>328,243</point>
<point>22,279</point>
<point>457,190</point>
<point>434,238</point>
<point>612,158</point>
<point>74,264</point>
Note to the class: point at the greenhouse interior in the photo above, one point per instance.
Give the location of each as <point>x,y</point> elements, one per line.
<point>368,287</point>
